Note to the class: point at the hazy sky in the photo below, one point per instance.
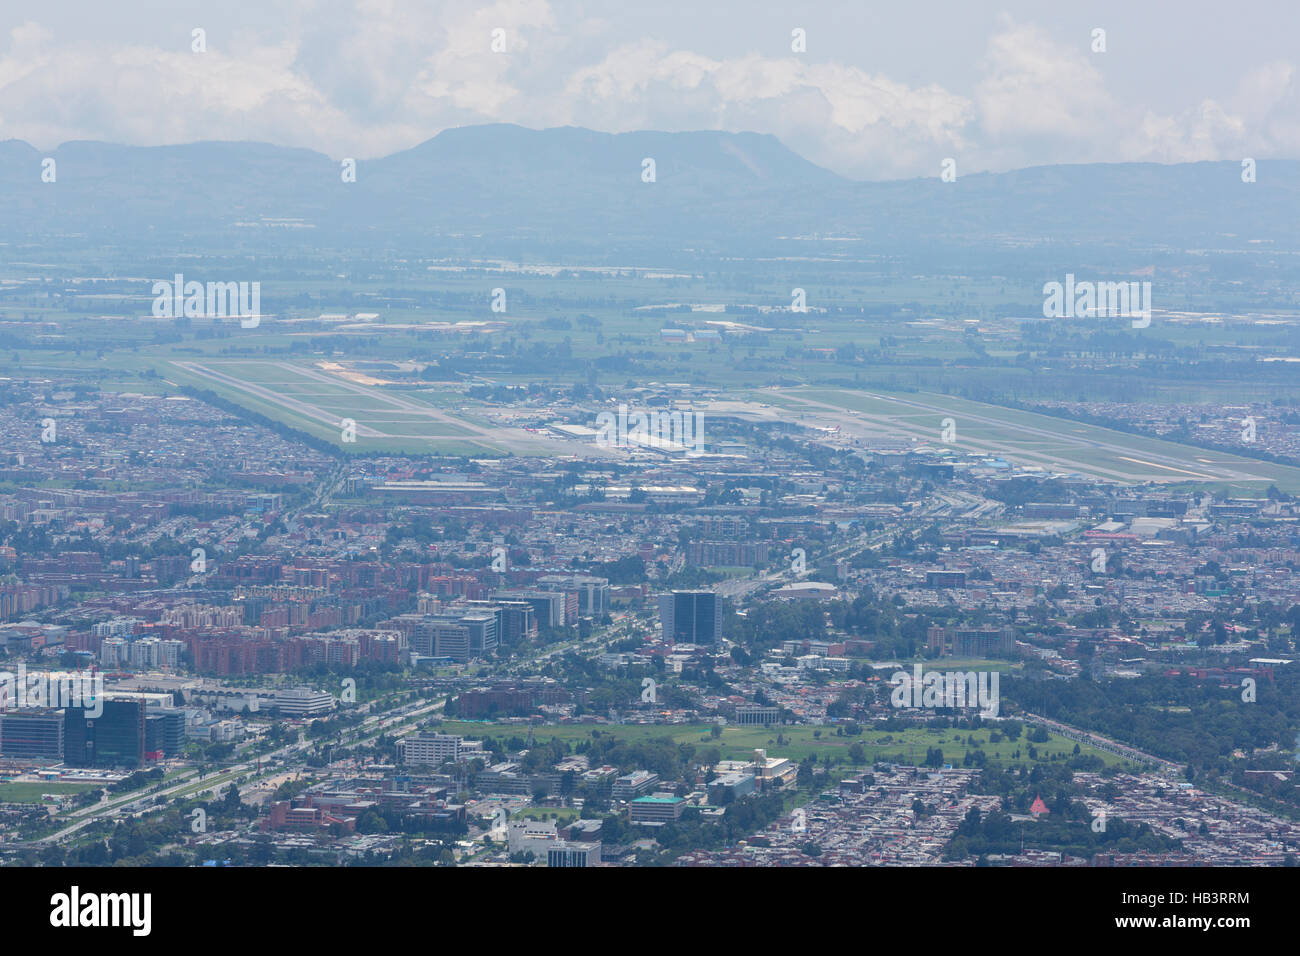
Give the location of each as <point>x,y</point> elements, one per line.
<point>884,89</point>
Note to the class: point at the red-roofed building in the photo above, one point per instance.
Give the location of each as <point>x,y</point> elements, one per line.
<point>1038,808</point>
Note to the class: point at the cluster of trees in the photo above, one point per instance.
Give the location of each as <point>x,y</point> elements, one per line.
<point>153,839</point>
<point>137,780</point>
<point>768,624</point>
<point>1198,722</point>
<point>662,755</point>
<point>374,678</point>
<point>693,832</point>
<point>1208,726</point>
<point>629,570</point>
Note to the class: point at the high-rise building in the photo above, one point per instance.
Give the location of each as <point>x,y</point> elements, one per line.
<point>516,620</point>
<point>164,732</point>
<point>727,553</point>
<point>691,617</point>
<point>484,631</point>
<point>171,652</point>
<point>113,739</point>
<point>459,635</point>
<point>972,641</point>
<point>113,652</point>
<point>32,734</point>
<point>428,749</point>
<point>551,607</point>
<point>634,784</point>
<point>146,653</point>
<point>303,702</point>
<point>592,592</point>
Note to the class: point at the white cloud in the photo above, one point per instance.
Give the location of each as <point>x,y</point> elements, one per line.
<point>839,115</point>
<point>1268,102</point>
<point>1044,102</point>
<point>368,77</point>
<point>1034,87</point>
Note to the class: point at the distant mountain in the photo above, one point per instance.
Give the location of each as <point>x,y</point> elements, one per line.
<point>575,187</point>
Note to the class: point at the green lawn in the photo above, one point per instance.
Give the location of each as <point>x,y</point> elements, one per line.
<point>797,742</point>
<point>562,815</point>
<point>31,792</point>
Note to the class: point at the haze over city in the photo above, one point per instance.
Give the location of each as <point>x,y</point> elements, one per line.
<point>533,435</point>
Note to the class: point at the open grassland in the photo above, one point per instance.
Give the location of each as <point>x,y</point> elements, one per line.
<point>797,743</point>
<point>32,792</point>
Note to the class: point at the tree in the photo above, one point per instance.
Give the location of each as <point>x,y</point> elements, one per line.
<point>805,775</point>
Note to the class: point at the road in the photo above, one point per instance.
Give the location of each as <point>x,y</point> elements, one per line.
<point>1105,743</point>
<point>184,786</point>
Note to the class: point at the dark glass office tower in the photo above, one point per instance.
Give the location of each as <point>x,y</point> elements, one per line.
<point>163,732</point>
<point>691,617</point>
<point>113,739</point>
<point>78,748</point>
